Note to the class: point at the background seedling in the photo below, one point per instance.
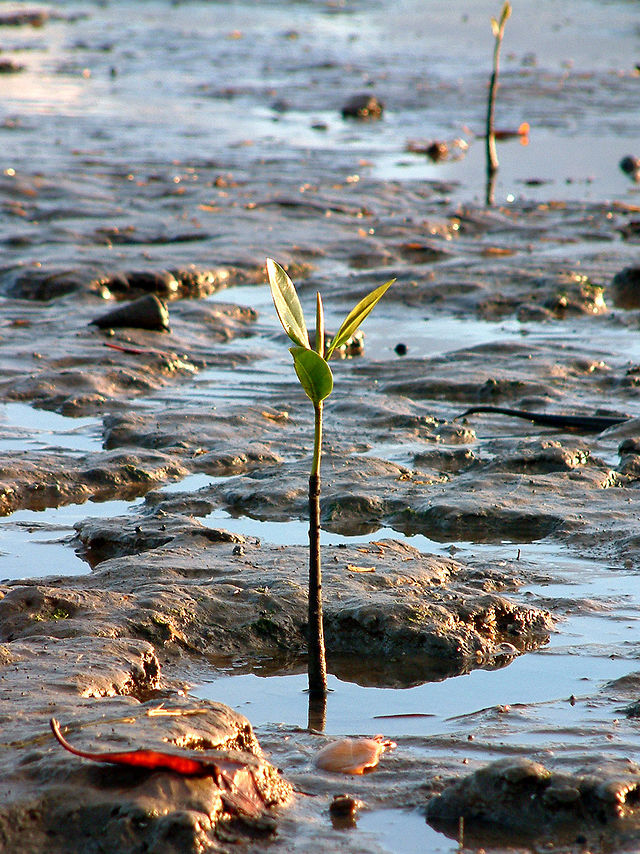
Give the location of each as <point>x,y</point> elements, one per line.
<point>313,371</point>
<point>497,28</point>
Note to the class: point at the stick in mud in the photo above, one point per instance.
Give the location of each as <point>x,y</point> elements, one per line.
<point>585,423</point>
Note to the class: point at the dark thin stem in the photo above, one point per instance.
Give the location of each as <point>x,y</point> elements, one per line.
<point>316,662</point>
<point>317,666</point>
<point>490,136</point>
<point>492,155</point>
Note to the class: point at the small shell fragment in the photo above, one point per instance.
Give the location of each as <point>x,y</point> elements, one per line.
<point>352,755</point>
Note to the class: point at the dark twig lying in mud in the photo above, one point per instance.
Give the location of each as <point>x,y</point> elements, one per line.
<point>222,770</point>
<point>587,423</point>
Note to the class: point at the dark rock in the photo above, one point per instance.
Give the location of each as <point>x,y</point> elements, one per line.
<point>148,312</point>
<point>631,231</point>
<point>8,66</point>
<point>631,167</point>
<point>418,252</point>
<point>625,288</point>
<point>633,709</point>
<point>363,106</point>
<point>437,151</point>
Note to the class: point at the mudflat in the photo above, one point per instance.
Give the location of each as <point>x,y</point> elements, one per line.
<point>479,570</point>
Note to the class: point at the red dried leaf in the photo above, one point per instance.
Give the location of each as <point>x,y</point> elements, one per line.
<point>235,779</point>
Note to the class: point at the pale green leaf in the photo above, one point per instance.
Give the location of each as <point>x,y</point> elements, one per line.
<point>287,304</point>
<point>319,326</point>
<point>505,15</point>
<point>356,316</point>
<point>313,372</point>
<point>495,27</point>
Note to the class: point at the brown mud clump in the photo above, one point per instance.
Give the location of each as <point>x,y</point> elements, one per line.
<point>521,801</point>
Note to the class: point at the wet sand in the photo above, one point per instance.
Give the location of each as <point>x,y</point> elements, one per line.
<point>152,483</point>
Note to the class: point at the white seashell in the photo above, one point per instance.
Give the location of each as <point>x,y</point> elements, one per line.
<point>352,755</point>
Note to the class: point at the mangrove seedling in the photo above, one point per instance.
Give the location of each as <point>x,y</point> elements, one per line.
<point>497,27</point>
<point>311,365</point>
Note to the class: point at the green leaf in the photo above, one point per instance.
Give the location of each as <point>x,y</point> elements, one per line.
<point>287,304</point>
<point>356,316</point>
<point>313,372</point>
<point>319,326</point>
<point>505,15</point>
<point>495,27</point>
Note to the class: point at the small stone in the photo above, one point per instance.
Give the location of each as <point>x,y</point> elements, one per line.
<point>343,805</point>
<point>363,106</point>
<point>8,66</point>
<point>148,312</point>
<point>631,167</point>
<point>437,151</point>
<point>625,288</point>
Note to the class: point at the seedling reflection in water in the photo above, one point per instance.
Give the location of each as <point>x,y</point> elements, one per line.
<point>312,368</point>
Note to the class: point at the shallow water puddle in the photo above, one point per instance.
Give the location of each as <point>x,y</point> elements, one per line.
<point>584,168</point>
<point>24,427</point>
<point>423,336</point>
<point>425,710</point>
<point>37,543</point>
<point>573,664</point>
<point>547,701</point>
<point>296,532</point>
<point>403,832</point>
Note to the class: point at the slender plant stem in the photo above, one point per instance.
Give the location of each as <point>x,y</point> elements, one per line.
<point>317,667</point>
<point>490,136</point>
<point>317,439</point>
<point>492,156</point>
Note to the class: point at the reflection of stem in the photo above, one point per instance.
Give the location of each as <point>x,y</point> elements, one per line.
<point>317,713</point>
<point>317,666</point>
<point>491,185</point>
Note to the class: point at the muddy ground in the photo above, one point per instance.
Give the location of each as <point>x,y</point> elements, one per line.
<point>535,304</point>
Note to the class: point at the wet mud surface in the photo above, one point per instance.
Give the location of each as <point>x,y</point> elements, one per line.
<point>147,398</point>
